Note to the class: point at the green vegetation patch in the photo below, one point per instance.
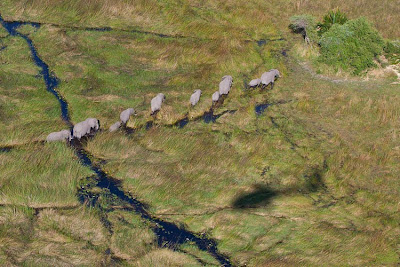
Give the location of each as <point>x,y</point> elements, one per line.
<point>27,111</point>
<point>40,175</point>
<point>333,17</point>
<point>352,46</point>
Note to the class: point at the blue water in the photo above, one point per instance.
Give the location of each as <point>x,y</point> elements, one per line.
<point>259,109</point>
<point>168,234</point>
<point>261,42</point>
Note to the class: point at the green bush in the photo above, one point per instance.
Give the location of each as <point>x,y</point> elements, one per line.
<point>392,51</point>
<point>351,46</point>
<point>329,19</point>
<point>304,24</point>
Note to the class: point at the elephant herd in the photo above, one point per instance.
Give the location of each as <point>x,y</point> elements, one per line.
<point>266,79</point>
<point>90,125</point>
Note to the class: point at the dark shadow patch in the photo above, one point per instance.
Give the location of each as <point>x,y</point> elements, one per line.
<point>128,130</point>
<point>149,125</point>
<point>181,123</point>
<point>265,170</point>
<point>5,149</point>
<point>260,108</point>
<point>261,42</point>
<point>209,116</point>
<point>259,197</point>
<point>103,29</point>
<point>314,181</point>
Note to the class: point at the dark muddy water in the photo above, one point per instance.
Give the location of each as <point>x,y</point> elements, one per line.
<point>168,234</point>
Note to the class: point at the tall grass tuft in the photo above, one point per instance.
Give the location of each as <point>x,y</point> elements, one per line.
<point>331,18</point>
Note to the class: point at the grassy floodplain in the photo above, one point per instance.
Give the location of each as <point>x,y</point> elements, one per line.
<point>312,181</point>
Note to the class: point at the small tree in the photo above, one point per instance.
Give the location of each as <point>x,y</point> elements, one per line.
<point>351,46</point>
<point>305,25</point>
<point>329,19</point>
<point>392,51</point>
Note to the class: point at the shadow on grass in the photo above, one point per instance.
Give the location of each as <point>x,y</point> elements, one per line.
<point>260,196</point>
<point>314,181</point>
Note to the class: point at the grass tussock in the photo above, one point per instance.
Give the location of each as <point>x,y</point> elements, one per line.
<point>51,237</point>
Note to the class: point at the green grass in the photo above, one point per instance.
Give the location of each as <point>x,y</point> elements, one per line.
<point>27,178</point>
<point>255,19</point>
<point>51,237</point>
<point>27,111</point>
<point>316,185</point>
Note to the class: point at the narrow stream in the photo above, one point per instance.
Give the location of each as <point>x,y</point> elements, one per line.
<point>168,234</point>
<point>49,78</point>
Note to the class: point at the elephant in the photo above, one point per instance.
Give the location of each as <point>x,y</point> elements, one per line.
<point>255,82</point>
<point>93,123</point>
<point>156,103</point>
<point>215,97</point>
<point>225,85</point>
<point>126,114</point>
<point>229,77</point>
<point>269,77</point>
<point>161,96</point>
<point>81,129</point>
<point>59,136</point>
<point>84,127</point>
<point>195,97</point>
<point>276,72</point>
<point>115,126</point>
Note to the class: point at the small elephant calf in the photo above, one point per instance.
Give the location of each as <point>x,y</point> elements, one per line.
<point>59,136</point>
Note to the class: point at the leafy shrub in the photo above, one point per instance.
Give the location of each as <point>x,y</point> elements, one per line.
<point>331,18</point>
<point>304,24</point>
<point>351,46</point>
<point>392,51</point>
